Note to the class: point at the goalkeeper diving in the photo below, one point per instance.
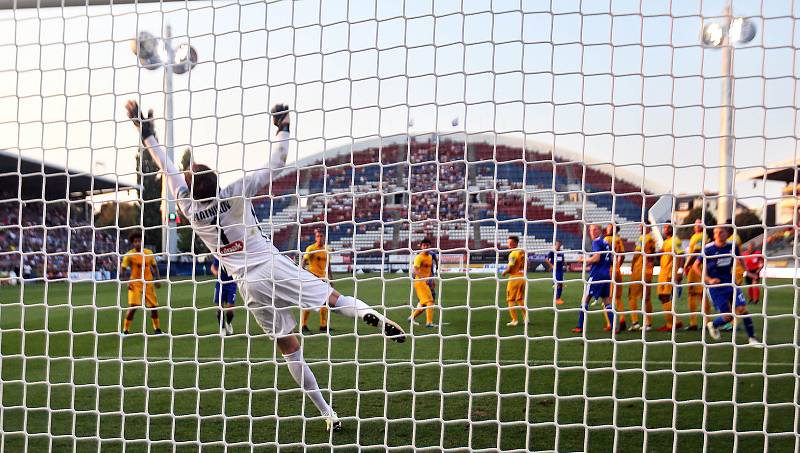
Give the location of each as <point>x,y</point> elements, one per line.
<point>271,284</point>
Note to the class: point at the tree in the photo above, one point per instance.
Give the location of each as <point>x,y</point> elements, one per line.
<point>709,220</point>
<point>748,225</point>
<point>150,181</point>
<point>128,214</point>
<point>186,159</point>
<point>185,234</point>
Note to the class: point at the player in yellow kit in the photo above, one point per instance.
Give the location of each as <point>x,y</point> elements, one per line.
<point>423,272</point>
<point>641,276</point>
<point>138,267</point>
<point>316,260</point>
<point>517,282</point>
<point>694,277</point>
<point>613,238</point>
<point>668,276</point>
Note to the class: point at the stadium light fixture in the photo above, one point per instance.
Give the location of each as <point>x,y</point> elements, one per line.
<point>725,35</point>
<point>153,53</point>
<point>713,35</point>
<point>185,59</point>
<point>149,49</point>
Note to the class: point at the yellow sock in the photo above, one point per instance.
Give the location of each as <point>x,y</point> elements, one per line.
<point>126,324</point>
<point>323,317</point>
<point>620,306</point>
<point>512,311</point>
<point>429,314</point>
<point>648,306</point>
<point>304,314</point>
<point>522,310</point>
<point>634,306</point>
<point>694,304</point>
<point>416,313</point>
<point>156,323</point>
<point>668,313</point>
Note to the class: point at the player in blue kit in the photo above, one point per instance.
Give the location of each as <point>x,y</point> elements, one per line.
<point>599,276</point>
<point>555,263</point>
<point>224,297</point>
<point>719,258</point>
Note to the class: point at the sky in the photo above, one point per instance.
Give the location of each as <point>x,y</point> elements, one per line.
<point>623,82</point>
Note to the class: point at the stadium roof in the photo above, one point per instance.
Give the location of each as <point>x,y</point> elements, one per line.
<point>785,171</point>
<point>509,140</point>
<point>38,180</point>
<point>20,4</point>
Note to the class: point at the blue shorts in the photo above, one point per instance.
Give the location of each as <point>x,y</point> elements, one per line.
<point>559,277</point>
<point>228,295</point>
<point>599,290</point>
<point>721,298</point>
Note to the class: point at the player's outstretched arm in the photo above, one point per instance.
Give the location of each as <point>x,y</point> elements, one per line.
<point>254,181</point>
<point>146,128</point>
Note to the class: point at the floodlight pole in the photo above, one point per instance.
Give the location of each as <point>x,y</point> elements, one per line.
<point>169,235</point>
<point>726,173</point>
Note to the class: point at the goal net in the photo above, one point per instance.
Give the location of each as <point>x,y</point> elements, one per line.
<point>467,169</point>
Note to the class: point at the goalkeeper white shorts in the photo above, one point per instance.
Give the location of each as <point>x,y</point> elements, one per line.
<point>272,290</point>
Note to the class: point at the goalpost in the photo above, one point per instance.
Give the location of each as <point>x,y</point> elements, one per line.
<point>464,123</point>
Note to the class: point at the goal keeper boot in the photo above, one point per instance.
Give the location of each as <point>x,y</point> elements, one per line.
<point>391,329</point>
<point>332,423</point>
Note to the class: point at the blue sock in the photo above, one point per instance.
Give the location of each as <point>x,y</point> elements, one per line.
<point>719,321</point>
<point>748,325</point>
<point>559,289</point>
<point>610,314</point>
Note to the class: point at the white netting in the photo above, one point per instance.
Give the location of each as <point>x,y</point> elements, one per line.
<point>465,123</point>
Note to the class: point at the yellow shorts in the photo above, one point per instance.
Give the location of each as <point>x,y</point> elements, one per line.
<point>515,291</point>
<point>135,297</point>
<point>423,292</point>
<point>665,289</point>
<point>695,279</point>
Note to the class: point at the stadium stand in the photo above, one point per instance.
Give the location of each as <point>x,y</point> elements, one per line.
<point>506,192</point>
<point>48,234</point>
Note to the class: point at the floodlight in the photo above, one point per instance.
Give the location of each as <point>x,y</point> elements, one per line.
<point>185,59</point>
<point>713,35</point>
<point>149,49</point>
<point>741,30</point>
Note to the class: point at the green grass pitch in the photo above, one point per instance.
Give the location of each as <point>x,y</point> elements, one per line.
<point>67,374</point>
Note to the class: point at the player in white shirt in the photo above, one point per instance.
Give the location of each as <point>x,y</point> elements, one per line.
<point>271,283</point>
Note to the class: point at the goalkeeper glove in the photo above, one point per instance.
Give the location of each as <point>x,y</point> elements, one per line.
<point>280,117</point>
<point>144,124</point>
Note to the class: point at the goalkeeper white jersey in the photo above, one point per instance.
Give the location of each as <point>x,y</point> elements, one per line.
<point>228,225</point>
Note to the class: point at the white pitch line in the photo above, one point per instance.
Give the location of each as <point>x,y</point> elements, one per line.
<point>429,361</point>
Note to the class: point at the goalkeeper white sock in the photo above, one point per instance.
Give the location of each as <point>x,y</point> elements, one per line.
<point>353,308</point>
<point>305,379</point>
